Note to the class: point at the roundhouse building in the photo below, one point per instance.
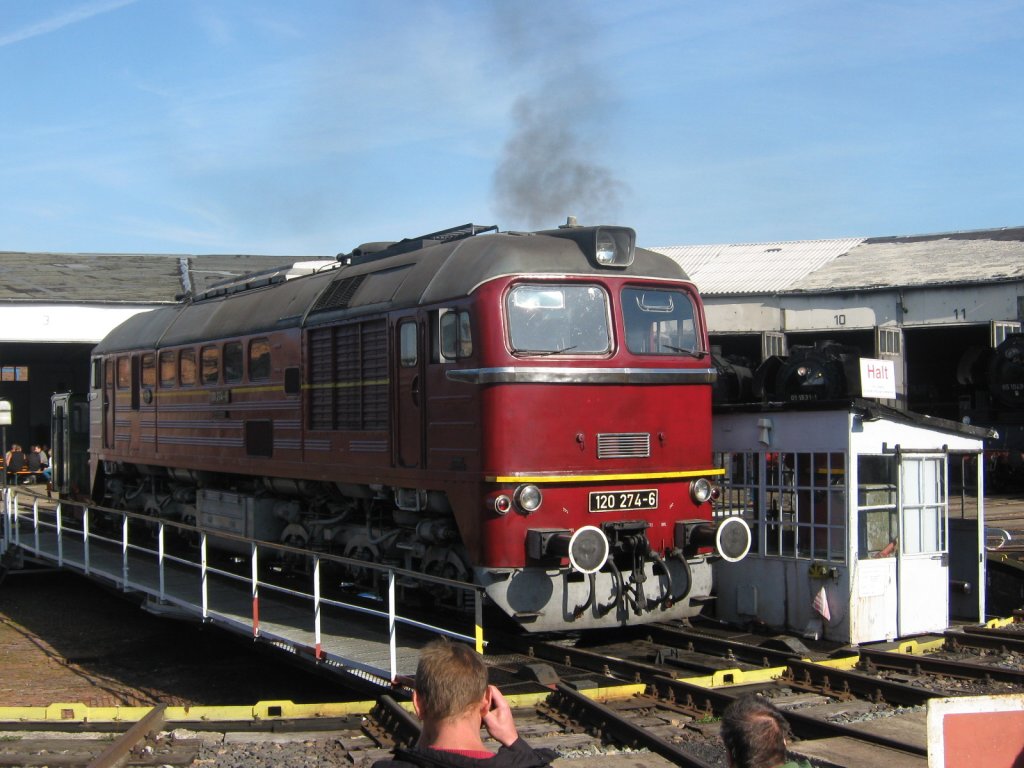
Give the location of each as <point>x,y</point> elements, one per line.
<point>934,304</point>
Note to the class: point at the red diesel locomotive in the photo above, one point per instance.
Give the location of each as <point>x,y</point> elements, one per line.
<point>527,411</point>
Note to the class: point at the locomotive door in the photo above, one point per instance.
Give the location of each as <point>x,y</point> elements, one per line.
<point>922,562</point>
<point>109,401</point>
<point>409,395</point>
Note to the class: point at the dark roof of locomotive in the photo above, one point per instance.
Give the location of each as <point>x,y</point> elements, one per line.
<point>441,272</point>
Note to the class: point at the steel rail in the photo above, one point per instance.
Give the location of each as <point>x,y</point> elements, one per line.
<point>713,701</point>
<point>578,658</point>
<point>983,637</point>
<point>118,751</point>
<point>742,652</point>
<point>921,665</point>
<point>847,681</point>
<point>606,722</point>
<point>391,724</point>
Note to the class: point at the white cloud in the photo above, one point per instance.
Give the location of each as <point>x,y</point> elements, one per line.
<point>74,16</point>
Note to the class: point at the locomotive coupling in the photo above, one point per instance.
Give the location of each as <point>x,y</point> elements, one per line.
<point>730,537</point>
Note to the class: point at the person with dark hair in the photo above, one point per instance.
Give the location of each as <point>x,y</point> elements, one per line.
<point>754,732</point>
<point>453,700</point>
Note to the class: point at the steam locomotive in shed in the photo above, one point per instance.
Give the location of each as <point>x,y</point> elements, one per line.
<point>526,411</point>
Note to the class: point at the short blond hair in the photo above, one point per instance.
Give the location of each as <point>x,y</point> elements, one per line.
<point>450,679</point>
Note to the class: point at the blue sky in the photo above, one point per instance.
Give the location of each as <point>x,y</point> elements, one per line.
<point>308,127</point>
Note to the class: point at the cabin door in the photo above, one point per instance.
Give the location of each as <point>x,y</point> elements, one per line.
<point>410,395</point>
<point>922,565</point>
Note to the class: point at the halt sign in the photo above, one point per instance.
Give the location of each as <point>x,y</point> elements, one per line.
<point>877,378</point>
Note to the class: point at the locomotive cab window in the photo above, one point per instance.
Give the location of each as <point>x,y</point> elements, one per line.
<point>149,370</point>
<point>554,319</point>
<point>456,340</point>
<point>409,353</point>
<point>660,322</point>
<point>259,359</point>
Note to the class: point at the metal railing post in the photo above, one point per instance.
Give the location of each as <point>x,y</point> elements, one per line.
<point>203,575</point>
<point>160,557</point>
<point>124,553</point>
<point>316,606</point>
<point>85,538</point>
<point>35,526</point>
<point>255,591</point>
<point>478,611</point>
<point>392,642</point>
<point>60,536</point>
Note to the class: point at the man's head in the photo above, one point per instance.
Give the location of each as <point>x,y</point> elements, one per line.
<point>451,679</point>
<point>754,733</point>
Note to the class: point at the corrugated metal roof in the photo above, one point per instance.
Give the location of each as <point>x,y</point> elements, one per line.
<point>951,258</point>
<point>908,263</point>
<point>755,267</point>
<point>116,278</point>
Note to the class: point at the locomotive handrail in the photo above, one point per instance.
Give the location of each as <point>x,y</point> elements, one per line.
<point>132,551</point>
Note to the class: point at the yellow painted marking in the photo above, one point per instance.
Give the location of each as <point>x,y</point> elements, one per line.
<point>602,478</point>
<point>479,639</point>
<point>999,623</point>
<point>918,648</point>
<point>77,712</point>
<point>726,677</point>
<point>847,662</point>
<point>347,384</point>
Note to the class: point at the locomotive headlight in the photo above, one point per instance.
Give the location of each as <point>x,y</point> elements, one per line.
<point>701,490</point>
<point>605,249</point>
<point>528,498</point>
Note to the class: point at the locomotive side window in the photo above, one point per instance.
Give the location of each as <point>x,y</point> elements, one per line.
<point>552,319</point>
<point>233,362</point>
<point>124,372</point>
<point>210,370</point>
<point>455,334</point>
<point>168,368</point>
<point>149,370</point>
<point>187,367</point>
<point>660,322</point>
<point>407,334</point>
<point>259,359</point>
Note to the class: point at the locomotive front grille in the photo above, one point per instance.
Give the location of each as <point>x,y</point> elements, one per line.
<point>623,445</point>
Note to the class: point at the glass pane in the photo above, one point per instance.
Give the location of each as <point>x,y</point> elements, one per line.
<point>233,361</point>
<point>187,367</point>
<point>659,322</point>
<point>549,319</point>
<point>211,365</point>
<point>259,359</point>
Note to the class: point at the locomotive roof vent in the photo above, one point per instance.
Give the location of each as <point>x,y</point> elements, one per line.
<point>373,251</point>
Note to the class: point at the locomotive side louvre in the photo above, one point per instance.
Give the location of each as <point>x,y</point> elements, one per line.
<point>403,407</point>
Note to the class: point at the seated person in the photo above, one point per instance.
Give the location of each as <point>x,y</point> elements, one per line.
<point>34,461</point>
<point>15,460</point>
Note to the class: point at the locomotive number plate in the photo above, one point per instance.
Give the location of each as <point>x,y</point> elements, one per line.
<point>620,501</point>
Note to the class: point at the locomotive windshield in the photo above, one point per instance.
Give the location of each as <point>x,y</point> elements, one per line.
<point>550,319</point>
<point>660,322</point>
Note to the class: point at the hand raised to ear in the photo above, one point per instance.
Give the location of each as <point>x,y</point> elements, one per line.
<point>498,721</point>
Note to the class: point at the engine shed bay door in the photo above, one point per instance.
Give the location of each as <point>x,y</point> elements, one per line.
<point>922,565</point>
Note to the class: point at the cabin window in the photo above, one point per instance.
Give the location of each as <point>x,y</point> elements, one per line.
<point>168,368</point>
<point>187,367</point>
<point>660,322</point>
<point>124,372</point>
<point>233,362</point>
<point>455,334</point>
<point>210,365</point>
<point>259,359</point>
<point>149,370</point>
<point>410,349</point>
<point>550,319</point>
